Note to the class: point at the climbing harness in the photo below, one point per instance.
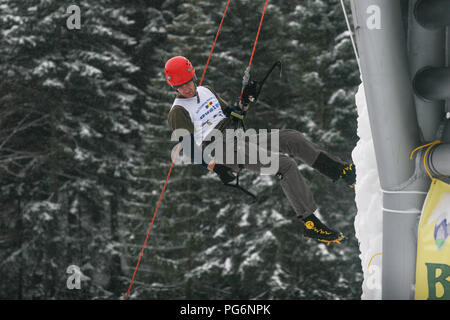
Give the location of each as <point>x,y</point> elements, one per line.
<point>178,148</point>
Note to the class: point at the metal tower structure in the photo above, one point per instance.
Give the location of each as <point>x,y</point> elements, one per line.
<point>403,47</point>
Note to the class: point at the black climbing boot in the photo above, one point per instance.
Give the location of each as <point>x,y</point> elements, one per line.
<point>335,170</point>
<point>315,229</point>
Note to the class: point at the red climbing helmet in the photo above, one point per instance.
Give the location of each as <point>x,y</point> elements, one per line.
<point>179,71</point>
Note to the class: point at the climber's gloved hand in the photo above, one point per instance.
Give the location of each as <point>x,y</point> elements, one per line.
<point>235,111</point>
<point>250,92</point>
<point>225,173</point>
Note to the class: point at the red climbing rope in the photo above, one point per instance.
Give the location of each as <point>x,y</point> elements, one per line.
<point>247,71</point>
<point>153,220</point>
<point>257,34</point>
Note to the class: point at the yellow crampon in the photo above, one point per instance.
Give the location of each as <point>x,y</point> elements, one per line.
<point>338,241</point>
<point>328,242</point>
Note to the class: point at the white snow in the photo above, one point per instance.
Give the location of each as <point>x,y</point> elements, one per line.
<point>80,155</point>
<point>338,94</point>
<point>219,232</point>
<point>276,278</point>
<point>244,222</point>
<point>44,68</point>
<point>312,78</point>
<point>368,198</point>
<point>90,71</point>
<point>250,260</point>
<point>55,83</point>
<point>227,266</point>
<point>278,219</point>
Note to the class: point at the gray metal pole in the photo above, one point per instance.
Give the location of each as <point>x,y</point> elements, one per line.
<point>433,83</point>
<point>425,49</point>
<point>429,33</point>
<point>433,13</point>
<point>395,133</point>
<point>439,160</point>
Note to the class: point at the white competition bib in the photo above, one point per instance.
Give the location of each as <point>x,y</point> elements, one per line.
<point>204,115</point>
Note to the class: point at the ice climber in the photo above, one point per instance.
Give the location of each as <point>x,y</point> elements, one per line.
<point>199,109</point>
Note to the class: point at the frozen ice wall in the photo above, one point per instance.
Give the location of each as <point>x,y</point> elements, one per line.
<point>369,219</point>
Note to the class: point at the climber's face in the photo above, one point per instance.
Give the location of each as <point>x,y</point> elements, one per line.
<point>187,90</point>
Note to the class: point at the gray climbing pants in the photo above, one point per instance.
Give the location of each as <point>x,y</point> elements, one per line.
<point>286,148</point>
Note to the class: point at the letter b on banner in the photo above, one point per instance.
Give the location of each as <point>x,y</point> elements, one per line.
<point>438,285</point>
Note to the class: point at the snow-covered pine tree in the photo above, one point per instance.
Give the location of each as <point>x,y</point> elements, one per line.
<point>78,186</point>
<point>326,81</point>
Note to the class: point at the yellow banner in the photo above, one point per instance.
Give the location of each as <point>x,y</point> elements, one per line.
<point>433,245</point>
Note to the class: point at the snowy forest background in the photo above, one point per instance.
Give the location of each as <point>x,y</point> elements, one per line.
<point>85,150</point>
